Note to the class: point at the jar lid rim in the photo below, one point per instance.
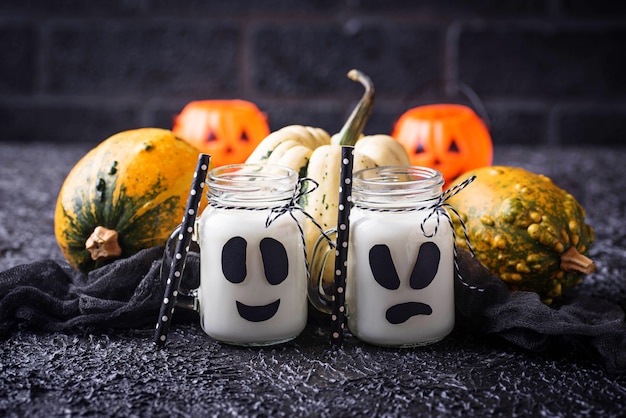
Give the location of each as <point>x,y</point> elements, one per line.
<point>264,171</point>
<point>255,182</point>
<point>420,177</point>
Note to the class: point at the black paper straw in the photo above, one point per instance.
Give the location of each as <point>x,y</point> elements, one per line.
<point>341,255</point>
<point>182,247</point>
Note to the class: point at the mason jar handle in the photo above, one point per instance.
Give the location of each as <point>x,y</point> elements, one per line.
<point>186,298</point>
<point>320,297</point>
<point>180,240</point>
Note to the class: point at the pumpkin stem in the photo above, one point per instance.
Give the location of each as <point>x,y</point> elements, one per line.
<point>573,261</point>
<point>353,128</point>
<point>102,244</point>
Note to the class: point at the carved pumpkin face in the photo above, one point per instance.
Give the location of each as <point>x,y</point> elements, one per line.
<point>450,138</point>
<point>228,130</point>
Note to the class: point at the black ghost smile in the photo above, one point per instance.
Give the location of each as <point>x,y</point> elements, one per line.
<point>258,313</point>
<point>400,313</point>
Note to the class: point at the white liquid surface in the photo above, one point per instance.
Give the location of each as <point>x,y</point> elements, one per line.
<point>218,298</point>
<point>367,301</point>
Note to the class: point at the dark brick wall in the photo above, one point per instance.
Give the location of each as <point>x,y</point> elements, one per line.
<point>548,71</point>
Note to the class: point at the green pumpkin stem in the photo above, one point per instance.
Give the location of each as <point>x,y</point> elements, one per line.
<point>353,128</point>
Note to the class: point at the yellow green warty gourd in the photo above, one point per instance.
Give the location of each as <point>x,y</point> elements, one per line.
<point>525,229</point>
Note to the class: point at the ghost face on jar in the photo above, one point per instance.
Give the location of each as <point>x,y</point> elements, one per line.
<point>401,291</point>
<point>253,287</point>
<point>253,278</point>
<point>400,273</point>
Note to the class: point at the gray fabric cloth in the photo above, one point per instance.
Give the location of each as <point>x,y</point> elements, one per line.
<point>593,325</point>
<point>127,293</point>
<point>51,296</point>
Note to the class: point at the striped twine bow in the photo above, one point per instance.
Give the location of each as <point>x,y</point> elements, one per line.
<point>298,192</point>
<point>438,209</point>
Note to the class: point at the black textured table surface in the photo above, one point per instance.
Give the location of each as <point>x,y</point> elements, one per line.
<point>124,374</point>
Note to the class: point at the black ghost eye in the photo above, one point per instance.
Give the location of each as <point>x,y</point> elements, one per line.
<point>234,260</point>
<point>244,137</point>
<point>426,266</point>
<point>454,148</point>
<point>275,261</point>
<point>382,266</point>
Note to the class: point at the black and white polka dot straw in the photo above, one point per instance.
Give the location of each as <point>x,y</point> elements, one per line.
<point>338,317</point>
<point>182,247</point>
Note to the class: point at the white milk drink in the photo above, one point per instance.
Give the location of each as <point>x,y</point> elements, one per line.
<point>253,278</point>
<point>400,274</point>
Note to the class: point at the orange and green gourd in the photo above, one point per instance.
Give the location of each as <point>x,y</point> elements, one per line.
<point>125,195</point>
<point>525,229</point>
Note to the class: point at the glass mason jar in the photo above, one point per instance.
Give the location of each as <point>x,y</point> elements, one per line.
<point>400,273</point>
<point>252,262</point>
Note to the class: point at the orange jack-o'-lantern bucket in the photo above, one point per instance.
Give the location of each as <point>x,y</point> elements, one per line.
<point>228,130</point>
<point>450,138</point>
